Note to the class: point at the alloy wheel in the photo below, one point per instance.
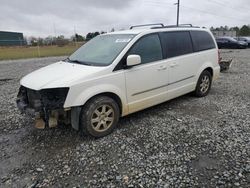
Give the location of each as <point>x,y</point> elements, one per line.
<point>205,83</point>
<point>102,118</point>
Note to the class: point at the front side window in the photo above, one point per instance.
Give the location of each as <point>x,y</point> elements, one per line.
<point>177,43</point>
<point>149,48</point>
<point>102,50</point>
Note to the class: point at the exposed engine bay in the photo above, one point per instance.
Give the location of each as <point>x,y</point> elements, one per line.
<point>45,105</point>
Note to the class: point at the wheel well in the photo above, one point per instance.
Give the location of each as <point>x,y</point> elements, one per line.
<point>209,69</point>
<point>115,97</point>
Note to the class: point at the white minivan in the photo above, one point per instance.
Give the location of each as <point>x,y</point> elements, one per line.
<point>119,73</point>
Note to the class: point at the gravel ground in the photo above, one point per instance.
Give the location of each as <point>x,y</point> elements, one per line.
<point>186,142</point>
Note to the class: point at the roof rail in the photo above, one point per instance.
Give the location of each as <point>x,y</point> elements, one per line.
<point>161,24</point>
<point>173,26</point>
<point>190,25</point>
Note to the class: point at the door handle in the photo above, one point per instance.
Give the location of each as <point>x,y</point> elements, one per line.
<point>162,68</point>
<point>173,65</point>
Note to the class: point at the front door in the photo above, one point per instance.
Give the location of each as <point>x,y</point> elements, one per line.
<point>146,83</point>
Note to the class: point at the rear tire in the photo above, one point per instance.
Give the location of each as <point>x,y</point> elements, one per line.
<point>99,116</point>
<point>204,84</point>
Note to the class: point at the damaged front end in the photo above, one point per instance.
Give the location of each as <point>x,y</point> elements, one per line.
<point>45,105</point>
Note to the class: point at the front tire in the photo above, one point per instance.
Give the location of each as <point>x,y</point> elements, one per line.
<point>204,84</point>
<point>99,116</point>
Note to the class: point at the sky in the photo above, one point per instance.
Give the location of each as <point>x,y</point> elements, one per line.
<point>41,18</point>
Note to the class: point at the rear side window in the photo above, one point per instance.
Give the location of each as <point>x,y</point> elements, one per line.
<point>149,48</point>
<point>177,43</point>
<point>202,40</point>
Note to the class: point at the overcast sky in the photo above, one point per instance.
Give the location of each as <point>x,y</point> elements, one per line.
<point>62,17</point>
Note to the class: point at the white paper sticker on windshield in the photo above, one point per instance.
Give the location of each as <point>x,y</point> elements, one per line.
<point>122,40</point>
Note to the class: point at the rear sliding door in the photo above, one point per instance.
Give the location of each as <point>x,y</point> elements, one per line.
<point>182,66</point>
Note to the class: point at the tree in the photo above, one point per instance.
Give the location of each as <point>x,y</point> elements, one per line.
<point>40,41</point>
<point>244,30</point>
<point>92,35</point>
<point>49,40</point>
<point>221,28</point>
<point>61,41</point>
<point>33,41</point>
<point>237,29</point>
<point>89,36</point>
<point>96,33</point>
<point>60,37</point>
<point>78,38</point>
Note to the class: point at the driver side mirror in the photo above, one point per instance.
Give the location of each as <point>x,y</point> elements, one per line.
<point>133,60</point>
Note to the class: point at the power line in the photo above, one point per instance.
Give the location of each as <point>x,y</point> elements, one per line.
<point>211,13</point>
<point>199,10</point>
<point>225,4</point>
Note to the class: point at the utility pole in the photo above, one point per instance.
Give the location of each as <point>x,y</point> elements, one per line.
<point>75,36</point>
<point>178,11</point>
<point>54,27</point>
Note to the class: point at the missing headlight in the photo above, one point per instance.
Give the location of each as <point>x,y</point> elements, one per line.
<point>54,98</point>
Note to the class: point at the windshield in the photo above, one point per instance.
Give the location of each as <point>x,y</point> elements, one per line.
<point>102,50</point>
<point>232,39</point>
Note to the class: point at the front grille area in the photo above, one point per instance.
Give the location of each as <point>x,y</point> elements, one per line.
<point>50,99</point>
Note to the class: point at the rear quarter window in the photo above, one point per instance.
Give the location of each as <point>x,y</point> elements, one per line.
<point>202,40</point>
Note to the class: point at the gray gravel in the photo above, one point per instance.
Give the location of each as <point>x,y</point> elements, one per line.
<point>186,142</point>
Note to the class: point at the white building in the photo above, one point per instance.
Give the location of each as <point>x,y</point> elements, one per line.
<point>224,33</point>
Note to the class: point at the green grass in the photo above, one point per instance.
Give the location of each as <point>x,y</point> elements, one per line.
<point>8,53</point>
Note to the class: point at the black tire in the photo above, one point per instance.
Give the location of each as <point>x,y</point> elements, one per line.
<point>102,124</point>
<point>201,91</point>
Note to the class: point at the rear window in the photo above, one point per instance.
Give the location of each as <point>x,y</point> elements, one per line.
<point>177,43</point>
<point>202,40</point>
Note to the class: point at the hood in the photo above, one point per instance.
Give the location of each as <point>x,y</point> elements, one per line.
<point>60,74</point>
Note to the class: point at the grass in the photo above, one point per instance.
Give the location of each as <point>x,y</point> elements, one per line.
<point>9,53</point>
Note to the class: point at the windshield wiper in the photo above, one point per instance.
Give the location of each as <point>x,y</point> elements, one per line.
<point>67,59</point>
<point>77,61</point>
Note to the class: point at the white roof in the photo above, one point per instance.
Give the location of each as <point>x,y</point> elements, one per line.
<point>148,30</point>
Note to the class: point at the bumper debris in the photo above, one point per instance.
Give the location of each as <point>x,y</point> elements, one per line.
<point>225,64</point>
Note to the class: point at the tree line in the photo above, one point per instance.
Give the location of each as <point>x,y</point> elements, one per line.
<point>240,31</point>
<point>61,40</point>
